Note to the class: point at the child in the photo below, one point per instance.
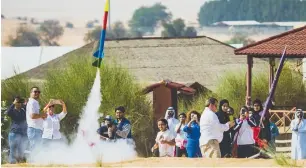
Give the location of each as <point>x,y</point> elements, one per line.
<point>181,137</point>
<point>244,134</point>
<point>164,140</point>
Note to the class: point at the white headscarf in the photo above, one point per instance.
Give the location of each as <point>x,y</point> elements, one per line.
<point>172,121</point>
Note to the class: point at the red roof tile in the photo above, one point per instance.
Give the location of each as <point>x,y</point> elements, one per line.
<point>294,39</point>
<point>169,84</point>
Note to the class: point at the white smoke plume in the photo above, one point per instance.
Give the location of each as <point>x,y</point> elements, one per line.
<point>87,147</point>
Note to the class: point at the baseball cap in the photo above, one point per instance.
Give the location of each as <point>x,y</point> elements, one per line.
<point>108,117</point>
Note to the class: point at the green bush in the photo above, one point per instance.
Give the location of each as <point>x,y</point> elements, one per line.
<point>120,89</point>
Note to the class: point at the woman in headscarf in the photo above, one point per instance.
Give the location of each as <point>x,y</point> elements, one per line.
<point>262,133</point>
<point>298,127</point>
<point>223,116</point>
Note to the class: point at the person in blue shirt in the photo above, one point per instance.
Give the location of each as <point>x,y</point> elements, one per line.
<point>193,134</point>
<point>274,134</point>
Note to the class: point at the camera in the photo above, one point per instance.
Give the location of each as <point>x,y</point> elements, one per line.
<point>21,101</point>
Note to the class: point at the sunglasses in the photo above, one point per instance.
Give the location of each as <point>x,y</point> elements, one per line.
<point>36,91</point>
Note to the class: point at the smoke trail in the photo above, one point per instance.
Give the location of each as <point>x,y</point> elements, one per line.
<point>87,147</point>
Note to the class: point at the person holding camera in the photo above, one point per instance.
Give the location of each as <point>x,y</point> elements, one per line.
<point>298,127</point>
<point>18,131</point>
<point>181,137</point>
<point>108,130</point>
<point>243,139</point>
<point>224,117</point>
<point>193,134</point>
<point>51,124</point>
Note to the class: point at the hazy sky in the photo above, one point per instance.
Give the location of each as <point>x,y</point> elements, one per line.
<point>90,9</point>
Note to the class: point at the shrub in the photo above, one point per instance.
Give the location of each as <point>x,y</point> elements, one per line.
<point>73,84</point>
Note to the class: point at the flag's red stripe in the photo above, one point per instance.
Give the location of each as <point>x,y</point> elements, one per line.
<point>105,20</point>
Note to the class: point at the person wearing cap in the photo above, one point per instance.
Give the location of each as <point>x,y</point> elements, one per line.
<point>172,121</point>
<point>34,119</point>
<point>107,131</point>
<point>51,124</point>
<point>181,137</point>
<point>18,131</point>
<point>298,127</point>
<point>124,127</point>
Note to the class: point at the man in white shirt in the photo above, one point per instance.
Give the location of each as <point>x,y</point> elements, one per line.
<point>211,130</point>
<point>34,119</point>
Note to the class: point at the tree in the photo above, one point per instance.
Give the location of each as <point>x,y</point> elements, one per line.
<point>2,16</point>
<point>24,37</point>
<point>259,10</point>
<point>240,38</point>
<point>176,28</point>
<point>90,24</point>
<point>50,31</point>
<point>145,19</point>
<point>69,25</point>
<point>117,31</point>
<point>190,32</point>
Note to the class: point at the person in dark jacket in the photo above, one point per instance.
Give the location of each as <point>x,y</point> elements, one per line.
<point>18,132</point>
<point>123,130</point>
<point>223,116</point>
<point>107,131</point>
<point>262,133</point>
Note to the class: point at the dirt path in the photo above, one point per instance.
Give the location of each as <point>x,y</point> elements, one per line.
<point>176,162</point>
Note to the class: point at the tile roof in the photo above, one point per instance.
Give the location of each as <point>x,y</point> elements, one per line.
<point>180,87</point>
<point>295,40</point>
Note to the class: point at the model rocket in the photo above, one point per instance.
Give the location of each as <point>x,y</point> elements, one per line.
<point>99,54</point>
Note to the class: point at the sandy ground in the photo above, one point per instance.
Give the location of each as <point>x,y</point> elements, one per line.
<point>177,162</point>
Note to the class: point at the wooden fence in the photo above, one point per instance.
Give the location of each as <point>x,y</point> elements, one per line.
<point>283,118</point>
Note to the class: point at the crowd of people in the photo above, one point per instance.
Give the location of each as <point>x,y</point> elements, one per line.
<point>30,129</point>
<point>217,133</point>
